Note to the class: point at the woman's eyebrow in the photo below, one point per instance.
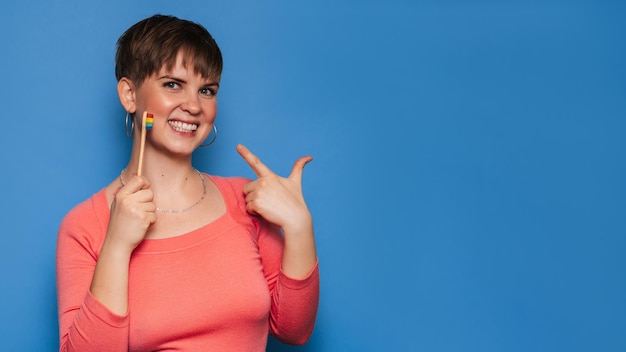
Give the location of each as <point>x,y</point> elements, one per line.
<point>173,78</point>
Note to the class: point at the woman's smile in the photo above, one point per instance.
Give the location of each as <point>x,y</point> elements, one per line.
<point>182,127</point>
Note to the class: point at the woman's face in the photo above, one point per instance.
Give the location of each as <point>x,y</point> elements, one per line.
<point>184,106</point>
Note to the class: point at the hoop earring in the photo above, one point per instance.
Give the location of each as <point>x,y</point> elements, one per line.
<point>129,121</point>
<point>212,139</point>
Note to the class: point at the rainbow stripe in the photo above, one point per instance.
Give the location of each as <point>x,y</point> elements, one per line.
<point>149,121</point>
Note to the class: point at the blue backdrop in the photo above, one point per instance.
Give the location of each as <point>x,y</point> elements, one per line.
<point>468,186</point>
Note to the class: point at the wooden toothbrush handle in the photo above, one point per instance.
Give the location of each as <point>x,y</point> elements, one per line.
<point>143,142</point>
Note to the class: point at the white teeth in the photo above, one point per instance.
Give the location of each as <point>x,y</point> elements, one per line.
<point>183,126</point>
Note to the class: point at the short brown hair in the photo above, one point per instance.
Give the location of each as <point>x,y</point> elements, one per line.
<point>155,42</point>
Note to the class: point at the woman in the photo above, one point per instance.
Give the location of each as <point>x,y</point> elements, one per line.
<point>175,259</point>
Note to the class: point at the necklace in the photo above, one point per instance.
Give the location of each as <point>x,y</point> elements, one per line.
<point>177,211</point>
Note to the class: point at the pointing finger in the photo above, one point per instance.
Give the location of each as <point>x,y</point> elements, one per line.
<point>255,163</point>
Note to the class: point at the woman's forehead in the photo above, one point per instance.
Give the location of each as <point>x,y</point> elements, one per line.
<point>189,64</point>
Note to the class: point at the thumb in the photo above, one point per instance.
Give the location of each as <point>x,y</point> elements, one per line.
<point>298,167</point>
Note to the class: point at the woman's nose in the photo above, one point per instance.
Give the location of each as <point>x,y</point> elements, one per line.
<point>191,104</point>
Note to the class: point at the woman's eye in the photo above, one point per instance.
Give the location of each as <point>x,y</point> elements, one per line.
<point>208,92</point>
<point>171,85</point>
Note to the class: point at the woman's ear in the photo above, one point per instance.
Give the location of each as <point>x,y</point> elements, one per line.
<point>126,93</point>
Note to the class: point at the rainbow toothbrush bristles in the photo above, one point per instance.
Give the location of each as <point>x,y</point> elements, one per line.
<point>149,121</point>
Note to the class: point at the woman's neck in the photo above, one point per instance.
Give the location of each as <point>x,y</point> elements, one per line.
<point>174,181</point>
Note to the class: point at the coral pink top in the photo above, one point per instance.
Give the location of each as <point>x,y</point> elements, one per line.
<point>217,288</point>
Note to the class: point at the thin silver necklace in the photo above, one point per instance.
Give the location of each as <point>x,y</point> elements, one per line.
<point>177,211</point>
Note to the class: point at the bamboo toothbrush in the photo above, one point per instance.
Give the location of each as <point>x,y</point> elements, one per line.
<point>146,123</point>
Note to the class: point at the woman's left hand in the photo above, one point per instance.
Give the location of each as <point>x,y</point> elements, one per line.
<point>277,199</point>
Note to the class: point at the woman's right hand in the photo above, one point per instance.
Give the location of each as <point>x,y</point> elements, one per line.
<point>132,213</point>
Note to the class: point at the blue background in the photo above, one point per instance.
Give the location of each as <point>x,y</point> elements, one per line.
<point>468,186</point>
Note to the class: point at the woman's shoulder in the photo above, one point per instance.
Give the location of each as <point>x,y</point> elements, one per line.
<point>87,216</point>
<point>235,182</point>
<point>230,186</point>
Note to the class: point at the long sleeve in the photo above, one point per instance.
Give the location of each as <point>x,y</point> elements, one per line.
<point>294,307</point>
<point>85,324</point>
<point>294,301</point>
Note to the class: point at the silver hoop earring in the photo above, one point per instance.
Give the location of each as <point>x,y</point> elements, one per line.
<point>212,139</point>
<point>129,121</point>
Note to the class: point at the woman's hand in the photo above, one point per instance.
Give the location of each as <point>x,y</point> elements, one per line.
<point>278,200</point>
<point>132,213</point>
